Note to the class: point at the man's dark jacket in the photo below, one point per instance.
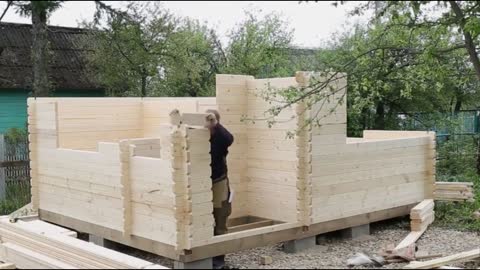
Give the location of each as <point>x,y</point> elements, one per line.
<point>220,140</point>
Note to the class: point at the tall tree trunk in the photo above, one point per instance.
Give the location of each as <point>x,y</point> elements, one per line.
<point>458,106</point>
<point>365,124</point>
<point>478,156</point>
<point>41,86</point>
<point>469,43</point>
<point>144,86</point>
<point>380,116</point>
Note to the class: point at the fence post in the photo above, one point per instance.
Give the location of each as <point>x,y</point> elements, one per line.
<point>3,155</point>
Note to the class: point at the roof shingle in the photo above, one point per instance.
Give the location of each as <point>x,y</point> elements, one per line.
<point>69,48</point>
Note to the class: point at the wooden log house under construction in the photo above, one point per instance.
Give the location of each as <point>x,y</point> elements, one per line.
<point>123,169</point>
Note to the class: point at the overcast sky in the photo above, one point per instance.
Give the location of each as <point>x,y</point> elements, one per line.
<point>313,22</point>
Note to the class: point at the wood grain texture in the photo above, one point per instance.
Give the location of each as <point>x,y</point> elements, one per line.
<point>120,165</point>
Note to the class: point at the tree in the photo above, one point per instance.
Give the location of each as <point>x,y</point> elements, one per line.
<point>402,54</point>
<point>132,50</point>
<point>4,12</point>
<point>391,70</point>
<point>39,11</point>
<point>161,55</point>
<point>458,16</point>
<point>260,47</point>
<point>397,77</point>
<point>197,57</point>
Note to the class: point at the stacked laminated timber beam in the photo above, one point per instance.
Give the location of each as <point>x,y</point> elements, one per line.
<point>232,100</point>
<point>29,246</point>
<point>148,185</point>
<point>379,171</point>
<point>272,156</point>
<point>422,216</point>
<point>454,191</point>
<point>304,154</point>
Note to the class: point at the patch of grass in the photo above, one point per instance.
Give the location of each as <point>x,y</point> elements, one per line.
<point>17,195</point>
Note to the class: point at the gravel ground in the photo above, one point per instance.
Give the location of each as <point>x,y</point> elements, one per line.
<point>335,251</point>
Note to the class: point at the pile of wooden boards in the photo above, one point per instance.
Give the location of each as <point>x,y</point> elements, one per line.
<point>40,245</point>
<point>422,216</point>
<point>454,191</point>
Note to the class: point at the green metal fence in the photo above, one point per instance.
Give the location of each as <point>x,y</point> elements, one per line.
<point>462,123</point>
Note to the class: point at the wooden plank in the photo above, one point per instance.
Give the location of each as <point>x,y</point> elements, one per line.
<point>382,134</point>
<point>228,79</point>
<point>8,266</point>
<point>450,184</point>
<point>439,196</point>
<point>411,238</point>
<point>232,246</point>
<point>422,224</point>
<point>321,169</point>
<point>455,258</point>
<point>250,226</point>
<point>325,189</point>
<point>423,208</point>
<point>251,239</point>
<point>357,207</point>
<point>126,154</point>
<point>28,259</point>
<point>194,119</point>
<point>47,228</point>
<point>110,234</point>
<point>75,247</point>
<point>60,254</point>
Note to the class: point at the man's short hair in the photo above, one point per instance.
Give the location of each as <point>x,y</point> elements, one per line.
<point>215,112</point>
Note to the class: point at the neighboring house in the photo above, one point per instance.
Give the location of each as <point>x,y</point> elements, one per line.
<point>68,76</point>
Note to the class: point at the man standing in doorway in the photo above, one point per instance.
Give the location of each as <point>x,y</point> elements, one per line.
<point>220,140</point>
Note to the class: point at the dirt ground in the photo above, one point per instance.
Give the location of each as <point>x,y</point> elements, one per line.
<point>335,251</point>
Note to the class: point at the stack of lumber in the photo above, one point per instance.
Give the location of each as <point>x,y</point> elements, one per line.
<point>30,246</point>
<point>422,215</point>
<point>454,191</point>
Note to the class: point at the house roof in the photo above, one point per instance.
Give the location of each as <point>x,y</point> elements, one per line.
<point>69,48</point>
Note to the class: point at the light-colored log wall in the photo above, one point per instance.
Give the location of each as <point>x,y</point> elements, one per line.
<point>63,179</point>
<point>272,156</point>
<point>231,95</point>
<point>125,186</point>
<point>383,170</point>
<point>82,122</point>
<point>120,164</point>
<point>156,111</point>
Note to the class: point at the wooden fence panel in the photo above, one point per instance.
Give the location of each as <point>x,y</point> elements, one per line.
<point>14,165</point>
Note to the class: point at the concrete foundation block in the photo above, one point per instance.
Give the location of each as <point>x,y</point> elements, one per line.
<point>202,264</point>
<point>356,232</point>
<point>99,241</point>
<point>299,245</point>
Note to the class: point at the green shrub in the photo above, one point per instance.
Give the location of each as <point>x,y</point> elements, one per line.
<point>16,135</point>
<point>17,195</point>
